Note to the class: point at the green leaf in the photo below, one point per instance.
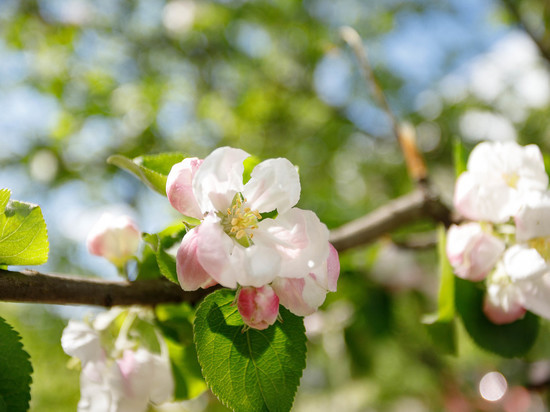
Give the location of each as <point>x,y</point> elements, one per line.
<point>4,198</point>
<point>23,235</point>
<point>175,321</point>
<point>256,370</point>
<point>460,157</point>
<point>440,325</point>
<point>510,340</point>
<point>162,241</point>
<point>150,169</point>
<point>15,371</point>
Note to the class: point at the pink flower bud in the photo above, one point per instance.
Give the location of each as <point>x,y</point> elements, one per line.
<point>179,187</point>
<point>500,315</point>
<point>472,252</point>
<point>191,274</point>
<point>258,307</point>
<point>115,238</point>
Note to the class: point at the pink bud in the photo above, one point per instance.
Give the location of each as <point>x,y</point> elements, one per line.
<point>115,238</point>
<point>472,252</point>
<point>191,274</point>
<point>179,187</point>
<point>258,307</point>
<point>499,315</point>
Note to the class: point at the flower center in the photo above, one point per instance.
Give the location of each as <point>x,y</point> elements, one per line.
<point>239,221</point>
<point>541,245</point>
<point>511,179</point>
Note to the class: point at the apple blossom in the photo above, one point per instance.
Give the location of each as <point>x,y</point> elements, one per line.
<point>235,243</point>
<point>116,238</point>
<point>116,376</point>
<point>498,176</point>
<point>503,301</point>
<point>259,307</point>
<point>191,274</point>
<point>471,251</point>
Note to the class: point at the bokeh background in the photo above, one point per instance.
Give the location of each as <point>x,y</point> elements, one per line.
<point>83,79</point>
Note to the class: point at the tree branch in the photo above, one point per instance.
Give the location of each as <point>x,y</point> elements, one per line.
<point>32,286</point>
<point>36,287</point>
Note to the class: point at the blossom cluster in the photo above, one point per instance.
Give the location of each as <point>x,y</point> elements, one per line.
<point>504,195</point>
<point>251,236</point>
<point>118,375</point>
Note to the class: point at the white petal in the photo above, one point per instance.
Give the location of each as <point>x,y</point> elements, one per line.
<point>299,237</point>
<point>81,341</point>
<point>533,217</point>
<point>521,262</point>
<point>220,256</point>
<point>219,178</point>
<point>262,264</point>
<point>179,187</point>
<point>536,295</point>
<point>313,294</point>
<point>162,382</point>
<point>274,184</point>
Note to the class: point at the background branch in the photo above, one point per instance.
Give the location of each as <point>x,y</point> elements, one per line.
<point>36,287</point>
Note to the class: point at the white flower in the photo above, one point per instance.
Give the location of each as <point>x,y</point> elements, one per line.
<point>235,245</point>
<point>115,238</point>
<point>115,378</point>
<point>471,251</point>
<point>498,176</point>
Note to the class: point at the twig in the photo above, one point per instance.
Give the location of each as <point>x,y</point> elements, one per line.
<point>404,135</point>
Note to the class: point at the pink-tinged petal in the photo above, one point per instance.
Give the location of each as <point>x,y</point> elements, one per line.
<point>115,238</point>
<point>80,340</point>
<point>299,237</point>
<point>191,274</point>
<point>179,188</point>
<point>261,265</point>
<point>533,217</point>
<point>220,256</point>
<point>258,307</point>
<point>333,268</point>
<point>301,296</point>
<point>472,252</point>
<point>274,184</point>
<point>499,315</point>
<point>219,178</point>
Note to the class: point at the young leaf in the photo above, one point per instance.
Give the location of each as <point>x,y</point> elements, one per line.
<point>510,340</point>
<point>4,198</point>
<point>460,157</point>
<point>15,371</point>
<point>256,370</point>
<point>440,325</point>
<point>23,235</point>
<point>150,169</point>
<point>175,321</point>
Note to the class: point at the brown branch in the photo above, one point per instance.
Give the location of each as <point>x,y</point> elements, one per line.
<point>387,218</point>
<point>32,286</point>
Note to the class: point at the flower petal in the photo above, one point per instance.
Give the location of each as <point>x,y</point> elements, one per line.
<point>80,340</point>
<point>533,217</point>
<point>219,178</point>
<point>218,254</point>
<point>536,295</point>
<point>179,188</point>
<point>521,262</point>
<point>191,274</point>
<point>262,263</point>
<point>301,296</point>
<point>299,237</point>
<point>274,184</point>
